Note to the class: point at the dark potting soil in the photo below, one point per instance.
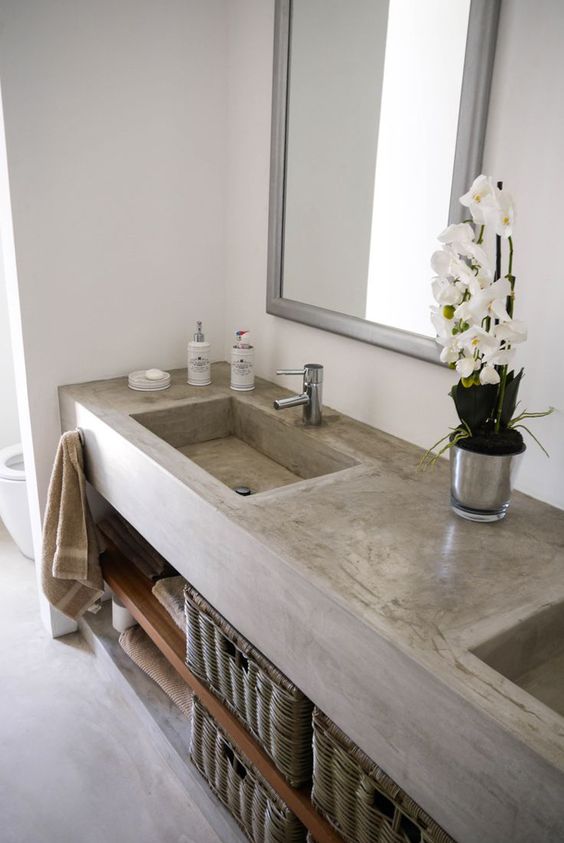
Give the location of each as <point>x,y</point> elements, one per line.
<point>496,444</point>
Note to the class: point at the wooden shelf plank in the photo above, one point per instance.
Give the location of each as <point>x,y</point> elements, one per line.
<point>134,590</point>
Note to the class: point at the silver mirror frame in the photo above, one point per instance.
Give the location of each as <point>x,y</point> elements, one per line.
<point>474,101</point>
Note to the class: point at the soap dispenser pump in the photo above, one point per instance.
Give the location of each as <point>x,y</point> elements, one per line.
<point>199,366</point>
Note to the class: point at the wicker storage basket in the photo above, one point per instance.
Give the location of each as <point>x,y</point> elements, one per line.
<point>272,708</point>
<point>260,812</point>
<point>360,801</point>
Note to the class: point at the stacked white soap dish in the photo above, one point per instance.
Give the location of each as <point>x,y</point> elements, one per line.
<point>149,380</point>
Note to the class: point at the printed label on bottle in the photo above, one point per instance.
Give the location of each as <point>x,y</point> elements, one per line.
<point>199,371</point>
<point>242,369</point>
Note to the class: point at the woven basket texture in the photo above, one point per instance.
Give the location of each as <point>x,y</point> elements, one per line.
<point>273,709</point>
<point>260,812</point>
<point>361,802</point>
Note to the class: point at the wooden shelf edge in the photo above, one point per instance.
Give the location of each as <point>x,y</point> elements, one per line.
<point>134,590</point>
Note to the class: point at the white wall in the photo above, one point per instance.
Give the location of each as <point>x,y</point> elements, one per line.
<point>114,118</point>
<point>404,396</point>
<point>115,122</point>
<point>524,145</point>
<point>9,425</point>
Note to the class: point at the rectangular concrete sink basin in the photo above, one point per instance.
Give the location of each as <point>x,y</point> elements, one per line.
<point>531,654</point>
<point>242,445</point>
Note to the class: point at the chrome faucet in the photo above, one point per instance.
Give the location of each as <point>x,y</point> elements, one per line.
<point>311,397</point>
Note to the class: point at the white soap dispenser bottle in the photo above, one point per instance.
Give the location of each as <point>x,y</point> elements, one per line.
<point>199,366</point>
<point>242,363</point>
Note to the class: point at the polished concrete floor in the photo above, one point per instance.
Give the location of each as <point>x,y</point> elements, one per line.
<point>75,764</point>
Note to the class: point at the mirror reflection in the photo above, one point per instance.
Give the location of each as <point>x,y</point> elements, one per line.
<point>373,100</point>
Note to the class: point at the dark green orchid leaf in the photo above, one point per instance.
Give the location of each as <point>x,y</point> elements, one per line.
<point>512,385</point>
<point>474,404</point>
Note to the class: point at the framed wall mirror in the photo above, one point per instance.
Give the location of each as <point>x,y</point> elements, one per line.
<point>378,122</point>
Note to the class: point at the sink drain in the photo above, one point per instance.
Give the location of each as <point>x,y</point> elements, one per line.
<point>244,491</point>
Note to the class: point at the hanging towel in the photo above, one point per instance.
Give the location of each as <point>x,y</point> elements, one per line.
<point>146,655</point>
<point>170,594</point>
<point>71,576</point>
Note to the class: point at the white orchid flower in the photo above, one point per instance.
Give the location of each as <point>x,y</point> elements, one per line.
<point>450,353</point>
<point>492,301</point>
<point>447,262</point>
<point>465,313</point>
<point>474,251</point>
<point>460,270</point>
<point>499,357</point>
<point>479,198</point>
<point>445,292</point>
<point>440,262</point>
<point>460,239</point>
<point>476,339</point>
<point>466,366</point>
<point>457,233</point>
<point>443,326</point>
<point>441,323</point>
<point>512,331</point>
<point>482,279</point>
<point>502,214</point>
<point>489,374</point>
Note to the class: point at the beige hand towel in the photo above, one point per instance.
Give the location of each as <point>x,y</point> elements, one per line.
<point>71,576</point>
<point>170,594</point>
<point>146,655</point>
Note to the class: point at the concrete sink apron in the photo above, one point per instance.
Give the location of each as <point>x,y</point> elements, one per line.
<point>360,584</point>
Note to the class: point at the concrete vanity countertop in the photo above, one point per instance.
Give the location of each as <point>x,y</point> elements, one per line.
<point>367,591</point>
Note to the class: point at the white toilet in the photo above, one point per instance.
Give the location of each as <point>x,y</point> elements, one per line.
<point>14,509</point>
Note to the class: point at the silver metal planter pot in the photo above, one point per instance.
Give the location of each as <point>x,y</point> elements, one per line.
<point>481,484</point>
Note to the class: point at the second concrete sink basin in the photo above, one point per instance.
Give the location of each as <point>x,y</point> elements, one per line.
<point>531,654</point>
<point>242,445</point>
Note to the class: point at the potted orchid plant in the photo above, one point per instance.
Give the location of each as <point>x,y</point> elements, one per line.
<point>476,327</point>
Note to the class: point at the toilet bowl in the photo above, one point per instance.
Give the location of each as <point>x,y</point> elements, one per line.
<point>14,509</point>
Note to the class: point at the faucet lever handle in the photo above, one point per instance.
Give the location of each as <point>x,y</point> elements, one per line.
<point>312,373</point>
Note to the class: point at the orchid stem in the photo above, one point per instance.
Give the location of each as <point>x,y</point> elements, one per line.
<point>510,300</point>
<point>503,372</point>
<point>511,279</point>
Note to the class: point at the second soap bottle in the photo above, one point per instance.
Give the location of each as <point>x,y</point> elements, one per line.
<point>242,363</point>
